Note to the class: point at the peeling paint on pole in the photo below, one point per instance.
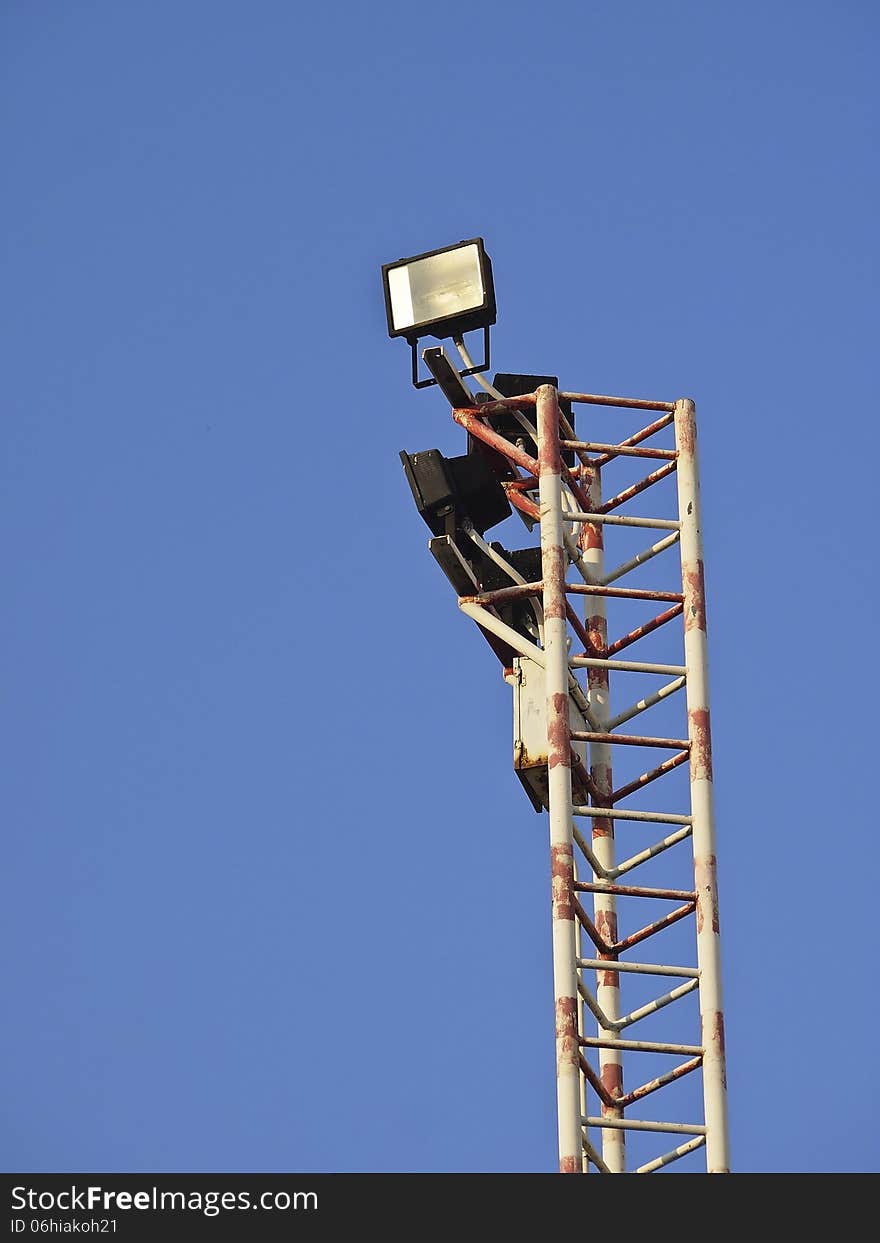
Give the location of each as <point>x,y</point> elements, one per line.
<point>702,811</point>
<point>559,782</point>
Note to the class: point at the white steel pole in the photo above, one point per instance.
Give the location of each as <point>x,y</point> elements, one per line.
<point>553,563</point>
<point>592,543</point>
<point>705,881</point>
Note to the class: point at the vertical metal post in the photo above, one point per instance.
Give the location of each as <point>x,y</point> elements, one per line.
<point>553,563</point>
<point>592,542</point>
<point>705,882</point>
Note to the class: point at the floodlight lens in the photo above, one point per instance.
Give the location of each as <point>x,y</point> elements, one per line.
<point>436,287</point>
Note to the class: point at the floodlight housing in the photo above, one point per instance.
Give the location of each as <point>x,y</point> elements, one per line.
<point>441,293</point>
<point>451,491</point>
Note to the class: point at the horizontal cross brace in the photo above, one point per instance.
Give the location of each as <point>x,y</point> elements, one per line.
<point>593,446</point>
<point>621,520</point>
<point>626,403</point>
<point>617,813</point>
<point>625,666</point>
<point>639,1046</point>
<point>638,968</point>
<point>631,740</point>
<point>638,1124</point>
<point>622,593</point>
<point>636,891</point>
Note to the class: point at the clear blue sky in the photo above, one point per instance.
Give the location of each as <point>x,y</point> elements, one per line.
<point>272,898</point>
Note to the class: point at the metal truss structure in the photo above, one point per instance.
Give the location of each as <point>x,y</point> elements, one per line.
<point>607,1033</point>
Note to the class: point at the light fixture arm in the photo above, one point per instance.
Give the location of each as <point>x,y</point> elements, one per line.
<point>471,368</point>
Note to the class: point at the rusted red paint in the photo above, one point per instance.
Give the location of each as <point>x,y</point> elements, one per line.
<point>475,425</point>
<point>566,1032</point>
<point>558,737</point>
<point>649,627</point>
<point>630,740</point>
<point>713,1038</point>
<point>606,926</point>
<point>628,493</point>
<point>706,882</point>
<point>640,782</point>
<point>597,629</point>
<point>553,570</point>
<point>694,596</point>
<point>612,1082</point>
<point>588,640</point>
<point>660,1082</point>
<point>626,403</point>
<point>594,1081</point>
<point>521,591</point>
<point>577,490</point>
<point>701,743</point>
<point>578,769</point>
<point>570,1165</point>
<point>549,455</point>
<point>590,534</point>
<point>636,438</point>
<point>602,779</point>
<point>522,502</point>
<point>562,881</point>
<point>622,593</point>
<point>648,931</point>
<point>589,927</point>
<point>686,432</point>
<point>620,450</point>
<point>636,891</point>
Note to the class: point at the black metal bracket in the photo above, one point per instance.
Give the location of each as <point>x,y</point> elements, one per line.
<point>484,366</point>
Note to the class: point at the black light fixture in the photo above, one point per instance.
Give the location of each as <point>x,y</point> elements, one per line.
<point>451,491</point>
<point>507,425</point>
<point>442,294</point>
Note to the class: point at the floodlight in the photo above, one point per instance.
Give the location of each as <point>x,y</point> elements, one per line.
<point>451,491</point>
<point>441,293</point>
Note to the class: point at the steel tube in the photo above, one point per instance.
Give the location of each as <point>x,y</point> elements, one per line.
<point>635,891</point>
<point>592,546</point>
<point>472,422</point>
<point>593,1156</point>
<point>621,520</point>
<point>643,1046</point>
<point>622,593</point>
<point>646,778</point>
<point>651,852</point>
<point>659,1004</point>
<point>628,493</point>
<point>639,968</point>
<point>631,740</point>
<point>680,912</point>
<point>626,403</point>
<point>502,595</point>
<point>587,852</point>
<point>637,1124</point>
<point>648,702</point>
<point>626,666</point>
<point>668,1157</point>
<point>705,881</point>
<point>553,564</point>
<point>622,450</point>
<point>636,439</point>
<point>661,1081</point>
<point>641,558</point>
<point>613,813</point>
